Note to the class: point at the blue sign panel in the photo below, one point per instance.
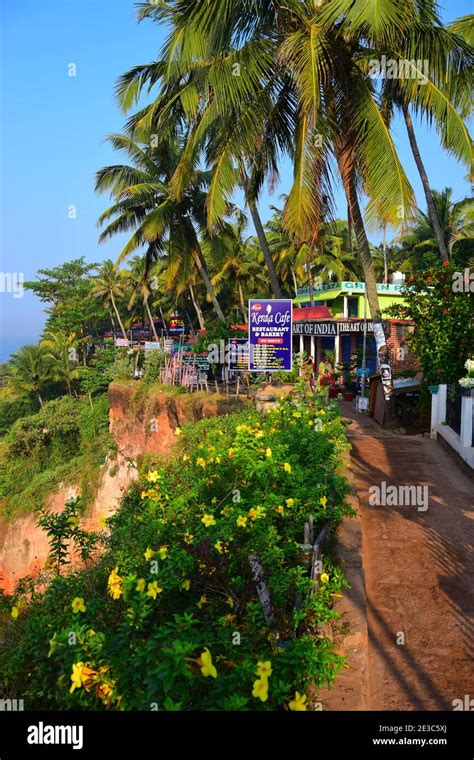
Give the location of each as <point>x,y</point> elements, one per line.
<point>270,335</point>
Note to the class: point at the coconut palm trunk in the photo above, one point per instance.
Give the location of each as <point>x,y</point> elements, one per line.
<point>152,324</point>
<point>426,185</point>
<point>114,306</point>
<point>348,181</point>
<point>242,300</point>
<point>198,261</point>
<point>197,308</point>
<point>262,238</point>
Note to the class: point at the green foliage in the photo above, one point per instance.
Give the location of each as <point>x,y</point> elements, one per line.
<point>97,376</point>
<point>153,363</point>
<point>71,306</point>
<point>12,410</point>
<point>65,442</point>
<point>174,585</point>
<point>443,337</point>
<point>64,533</point>
<point>122,368</point>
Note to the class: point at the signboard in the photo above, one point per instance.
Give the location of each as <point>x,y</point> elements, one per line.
<point>168,345</point>
<point>270,335</point>
<point>152,345</point>
<point>176,325</point>
<point>332,328</point>
<point>121,342</point>
<point>238,354</point>
<point>358,287</point>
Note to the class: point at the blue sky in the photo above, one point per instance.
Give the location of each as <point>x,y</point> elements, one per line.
<point>52,129</point>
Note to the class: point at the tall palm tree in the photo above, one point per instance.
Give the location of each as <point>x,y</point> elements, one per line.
<point>299,79</point>
<point>108,286</point>
<point>139,278</point>
<point>145,203</point>
<point>456,220</point>
<point>437,86</point>
<point>28,371</point>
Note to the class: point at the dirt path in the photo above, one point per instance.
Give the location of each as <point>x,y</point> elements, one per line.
<point>419,572</point>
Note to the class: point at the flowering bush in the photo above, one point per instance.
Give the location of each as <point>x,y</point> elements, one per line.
<point>170,618</point>
<point>468,381</point>
<point>443,337</point>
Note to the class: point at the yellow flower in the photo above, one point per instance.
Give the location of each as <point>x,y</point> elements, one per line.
<point>78,605</point>
<point>218,460</point>
<point>296,414</point>
<point>140,585</point>
<point>207,667</point>
<point>208,520</point>
<point>269,452</point>
<point>231,453</point>
<point>280,510</point>
<point>185,457</point>
<point>253,514</point>
<point>241,521</point>
<point>259,434</point>
<point>298,703</point>
<point>201,462</point>
<point>115,584</point>
<point>15,612</point>
<point>188,537</point>
<point>323,501</point>
<point>186,584</point>
<point>144,495</point>
<point>77,676</point>
<point>287,467</point>
<point>218,546</point>
<point>177,431</point>
<point>290,502</point>
<point>260,689</point>
<point>324,577</point>
<point>154,589</point>
<point>264,669</point>
<point>152,476</point>
<point>229,601</point>
<point>202,601</point>
<point>149,554</point>
<point>163,552</point>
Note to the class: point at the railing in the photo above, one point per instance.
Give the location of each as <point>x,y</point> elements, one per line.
<point>453,407</point>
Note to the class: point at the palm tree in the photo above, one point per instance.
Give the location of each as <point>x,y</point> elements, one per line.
<point>108,286</point>
<point>238,267</point>
<point>62,356</point>
<point>299,79</point>
<point>28,371</point>
<point>145,203</point>
<point>456,221</point>
<point>138,276</point>
<point>439,92</point>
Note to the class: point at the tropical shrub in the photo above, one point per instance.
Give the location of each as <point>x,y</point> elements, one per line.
<point>65,442</point>
<point>170,617</point>
<point>443,337</point>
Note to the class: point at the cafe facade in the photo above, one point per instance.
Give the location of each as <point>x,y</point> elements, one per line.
<point>339,317</point>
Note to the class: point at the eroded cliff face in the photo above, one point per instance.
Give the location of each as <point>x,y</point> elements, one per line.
<point>141,424</point>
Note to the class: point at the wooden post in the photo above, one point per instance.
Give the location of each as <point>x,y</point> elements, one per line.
<point>262,590</point>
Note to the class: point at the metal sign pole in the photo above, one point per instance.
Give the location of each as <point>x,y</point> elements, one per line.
<point>364,348</point>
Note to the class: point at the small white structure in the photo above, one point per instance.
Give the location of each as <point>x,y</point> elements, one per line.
<point>462,442</point>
